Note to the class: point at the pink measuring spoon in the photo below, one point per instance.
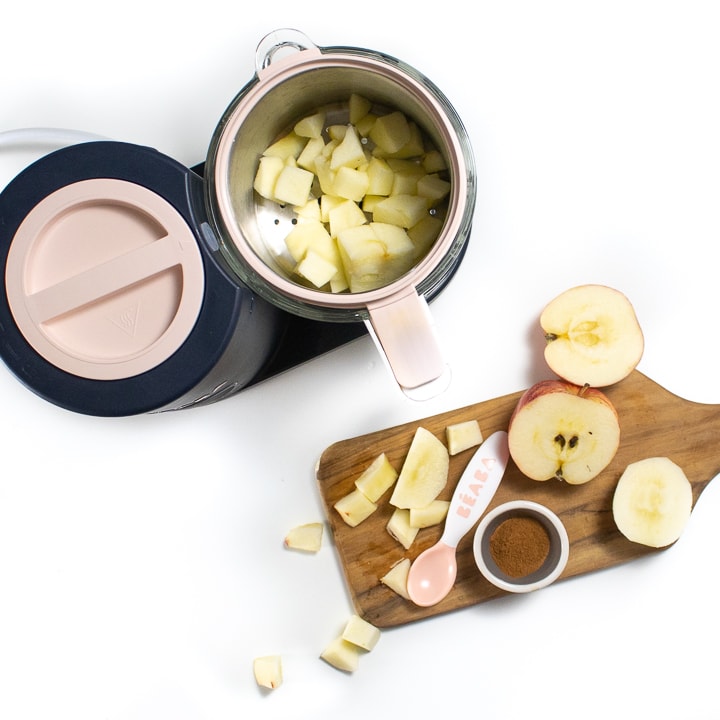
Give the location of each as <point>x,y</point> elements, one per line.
<point>433,573</point>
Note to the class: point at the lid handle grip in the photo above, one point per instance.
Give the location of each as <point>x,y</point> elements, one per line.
<point>280,43</point>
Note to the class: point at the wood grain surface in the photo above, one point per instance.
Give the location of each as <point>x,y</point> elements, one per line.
<point>653,422</point>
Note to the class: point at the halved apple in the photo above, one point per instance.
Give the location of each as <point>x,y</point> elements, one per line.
<point>593,335</point>
<point>562,430</point>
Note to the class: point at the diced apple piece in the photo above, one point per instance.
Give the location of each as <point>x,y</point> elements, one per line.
<point>424,473</point>
<point>291,145</point>
<point>314,148</point>
<point>339,282</point>
<point>293,185</point>
<point>463,435</point>
<point>361,633</point>
<point>430,515</point>
<point>355,507</point>
<point>325,176</point>
<point>342,654</point>
<point>304,235</point>
<point>425,232</point>
<point>268,171</point>
<point>377,478</point>
<point>433,187</point>
<point>400,251</point>
<point>396,578</point>
<point>365,124</point>
<point>344,215</point>
<point>404,183</point>
<point>380,177</point>
<point>329,203</point>
<point>399,527</point>
<point>433,161</point>
<point>307,537</point>
<point>311,126</point>
<point>363,256</point>
<point>330,148</point>
<point>359,107</point>
<point>395,239</point>
<point>315,268</point>
<point>309,211</point>
<point>336,133</point>
<point>390,132</point>
<point>350,152</point>
<point>350,183</point>
<point>406,167</point>
<point>370,201</point>
<point>268,671</point>
<point>414,147</point>
<point>402,210</point>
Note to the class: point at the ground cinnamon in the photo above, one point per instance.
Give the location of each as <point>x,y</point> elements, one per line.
<point>519,546</point>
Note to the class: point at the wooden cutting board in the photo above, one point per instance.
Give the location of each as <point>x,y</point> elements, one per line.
<point>653,422</point>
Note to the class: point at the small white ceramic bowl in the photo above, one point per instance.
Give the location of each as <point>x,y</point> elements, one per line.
<point>552,566</point>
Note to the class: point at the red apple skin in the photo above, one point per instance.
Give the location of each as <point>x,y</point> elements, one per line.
<point>543,387</point>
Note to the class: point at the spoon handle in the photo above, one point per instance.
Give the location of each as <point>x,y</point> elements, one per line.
<point>476,487</point>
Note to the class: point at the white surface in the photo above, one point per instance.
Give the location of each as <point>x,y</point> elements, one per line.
<point>141,566</point>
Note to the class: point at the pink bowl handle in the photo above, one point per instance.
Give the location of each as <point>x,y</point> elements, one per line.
<point>403,330</point>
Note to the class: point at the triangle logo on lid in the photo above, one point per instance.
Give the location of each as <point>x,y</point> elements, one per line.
<point>127,319</point>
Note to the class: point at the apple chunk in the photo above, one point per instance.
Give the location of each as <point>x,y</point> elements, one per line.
<point>377,478</point>
<point>463,435</point>
<point>307,537</point>
<point>561,430</point>
<point>423,474</point>
<point>342,654</point>
<point>355,507</point>
<point>396,578</point>
<point>361,633</point>
<point>593,335</point>
<point>268,671</point>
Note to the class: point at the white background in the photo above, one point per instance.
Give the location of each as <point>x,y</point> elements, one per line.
<point>141,559</point>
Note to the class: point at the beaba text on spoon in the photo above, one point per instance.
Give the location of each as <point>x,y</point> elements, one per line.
<point>432,574</point>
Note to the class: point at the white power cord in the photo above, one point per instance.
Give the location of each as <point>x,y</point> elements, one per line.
<point>45,137</point>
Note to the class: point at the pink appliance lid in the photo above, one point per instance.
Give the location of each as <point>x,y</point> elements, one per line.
<point>104,279</point>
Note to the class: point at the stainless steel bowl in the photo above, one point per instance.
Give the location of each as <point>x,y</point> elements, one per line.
<point>294,78</point>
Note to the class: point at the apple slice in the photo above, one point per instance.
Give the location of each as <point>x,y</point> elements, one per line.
<point>561,430</point>
<point>593,335</point>
<point>399,527</point>
<point>423,474</point>
<point>311,126</point>
<point>377,478</point>
<point>307,538</point>
<point>652,502</point>
<point>432,514</point>
<point>396,578</point>
<point>355,507</point>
